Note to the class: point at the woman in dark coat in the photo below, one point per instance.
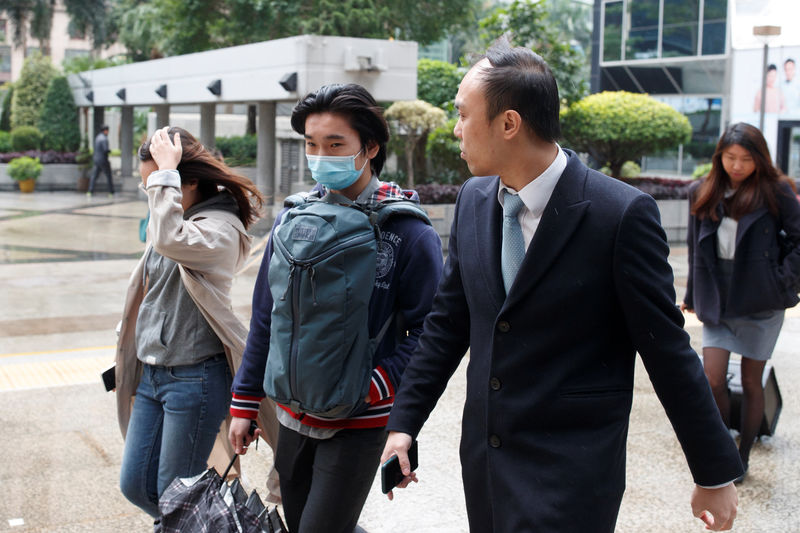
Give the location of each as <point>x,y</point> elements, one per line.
<point>744,267</point>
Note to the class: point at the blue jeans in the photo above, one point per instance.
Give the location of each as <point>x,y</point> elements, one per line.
<point>175,420</point>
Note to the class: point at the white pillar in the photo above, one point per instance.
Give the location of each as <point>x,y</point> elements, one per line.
<point>265,156</point>
<point>208,117</point>
<point>126,141</point>
<point>162,115</point>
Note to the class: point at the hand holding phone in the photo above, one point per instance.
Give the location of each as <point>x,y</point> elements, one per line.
<point>391,474</point>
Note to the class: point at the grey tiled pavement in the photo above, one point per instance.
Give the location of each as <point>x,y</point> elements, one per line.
<point>64,263</point>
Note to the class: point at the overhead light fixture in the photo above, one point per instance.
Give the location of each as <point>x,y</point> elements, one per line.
<point>162,91</point>
<point>215,87</point>
<point>121,94</point>
<point>90,96</point>
<point>289,82</point>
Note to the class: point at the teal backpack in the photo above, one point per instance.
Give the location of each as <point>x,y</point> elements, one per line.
<point>321,276</point>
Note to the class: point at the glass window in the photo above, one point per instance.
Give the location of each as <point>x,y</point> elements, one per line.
<point>642,39</point>
<point>715,19</point>
<point>5,59</point>
<point>612,32</point>
<point>69,53</point>
<point>31,50</point>
<point>2,30</point>
<point>704,115</point>
<point>679,37</point>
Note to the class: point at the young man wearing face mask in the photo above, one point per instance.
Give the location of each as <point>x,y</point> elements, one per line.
<point>326,466</point>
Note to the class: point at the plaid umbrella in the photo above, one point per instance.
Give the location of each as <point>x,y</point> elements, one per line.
<point>207,504</point>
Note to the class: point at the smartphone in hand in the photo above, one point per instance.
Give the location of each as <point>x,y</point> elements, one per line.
<point>391,474</point>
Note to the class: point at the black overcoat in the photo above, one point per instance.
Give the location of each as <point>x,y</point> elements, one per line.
<point>764,277</point>
<point>550,375</point>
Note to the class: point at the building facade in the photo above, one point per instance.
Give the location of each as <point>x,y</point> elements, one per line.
<point>701,57</point>
<point>64,44</point>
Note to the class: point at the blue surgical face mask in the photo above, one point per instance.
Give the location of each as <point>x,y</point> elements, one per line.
<point>334,171</point>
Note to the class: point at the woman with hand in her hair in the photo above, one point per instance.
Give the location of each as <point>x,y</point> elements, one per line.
<point>744,267</point>
<point>180,341</point>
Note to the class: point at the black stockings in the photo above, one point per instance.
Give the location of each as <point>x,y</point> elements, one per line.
<point>715,363</point>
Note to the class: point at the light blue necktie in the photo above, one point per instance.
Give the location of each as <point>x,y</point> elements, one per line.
<point>513,243</point>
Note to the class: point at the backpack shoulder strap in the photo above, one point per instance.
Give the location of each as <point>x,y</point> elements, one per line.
<point>397,206</point>
<point>295,200</point>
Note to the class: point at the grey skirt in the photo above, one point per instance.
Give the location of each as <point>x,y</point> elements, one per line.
<point>752,336</point>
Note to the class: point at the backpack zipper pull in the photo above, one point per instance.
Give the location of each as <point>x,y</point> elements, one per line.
<point>288,285</point>
<point>313,285</point>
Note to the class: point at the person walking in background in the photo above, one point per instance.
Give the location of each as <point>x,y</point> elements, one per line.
<point>180,342</point>
<point>743,271</point>
<point>101,163</point>
<point>326,465</point>
<point>556,277</point>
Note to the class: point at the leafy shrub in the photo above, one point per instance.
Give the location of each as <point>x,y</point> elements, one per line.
<point>701,171</point>
<point>630,169</point>
<point>437,193</point>
<point>24,168</point>
<point>49,157</point>
<point>661,188</point>
<point>437,82</point>
<point>30,89</point>
<point>5,116</point>
<point>5,142</point>
<point>412,119</point>
<point>25,138</point>
<point>615,127</point>
<point>58,120</point>
<point>444,155</point>
<point>238,151</point>
<point>77,64</point>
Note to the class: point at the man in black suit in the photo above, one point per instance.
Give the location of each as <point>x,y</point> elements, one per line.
<point>553,334</point>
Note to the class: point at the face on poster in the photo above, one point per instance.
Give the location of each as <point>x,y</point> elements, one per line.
<point>782,96</point>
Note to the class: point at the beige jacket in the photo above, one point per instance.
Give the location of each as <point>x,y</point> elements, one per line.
<point>209,248</point>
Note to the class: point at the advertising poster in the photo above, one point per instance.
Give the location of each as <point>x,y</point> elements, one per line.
<point>782,95</point>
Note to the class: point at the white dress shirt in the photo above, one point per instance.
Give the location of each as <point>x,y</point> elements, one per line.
<point>535,195</point>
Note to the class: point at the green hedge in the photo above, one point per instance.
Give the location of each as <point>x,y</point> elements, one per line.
<point>58,120</point>
<point>444,156</point>
<point>5,115</point>
<point>615,127</point>
<point>5,142</point>
<point>238,151</point>
<point>25,138</point>
<point>30,89</point>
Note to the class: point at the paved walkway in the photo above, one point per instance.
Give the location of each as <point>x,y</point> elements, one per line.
<point>64,264</point>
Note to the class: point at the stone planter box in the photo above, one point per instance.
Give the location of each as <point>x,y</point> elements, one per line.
<point>441,216</point>
<point>57,177</point>
<point>674,219</point>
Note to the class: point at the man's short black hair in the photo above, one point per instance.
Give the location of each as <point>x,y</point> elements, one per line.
<point>520,80</point>
<point>357,106</point>
<point>104,127</point>
<point>790,60</point>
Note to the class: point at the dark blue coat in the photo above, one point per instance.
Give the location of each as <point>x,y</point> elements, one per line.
<point>762,279</point>
<point>550,375</point>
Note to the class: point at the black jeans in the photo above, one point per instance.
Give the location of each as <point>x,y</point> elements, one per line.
<point>325,482</point>
<point>105,167</point>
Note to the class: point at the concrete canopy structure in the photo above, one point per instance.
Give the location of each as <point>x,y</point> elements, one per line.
<point>260,73</point>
